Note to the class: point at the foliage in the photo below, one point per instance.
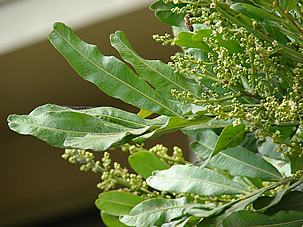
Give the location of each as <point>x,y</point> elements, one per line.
<point>235,90</point>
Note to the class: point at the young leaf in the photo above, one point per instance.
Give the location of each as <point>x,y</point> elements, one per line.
<point>144,163</point>
<point>161,76</point>
<point>111,221</point>
<point>251,218</point>
<point>185,39</point>
<point>155,212</point>
<point>117,203</point>
<point>230,136</point>
<point>191,179</point>
<point>108,73</point>
<point>240,162</point>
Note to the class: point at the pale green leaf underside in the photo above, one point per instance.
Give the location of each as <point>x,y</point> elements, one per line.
<point>96,128</point>
<point>155,212</point>
<point>192,179</point>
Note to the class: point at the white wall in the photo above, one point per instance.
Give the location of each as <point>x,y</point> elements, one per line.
<point>25,22</point>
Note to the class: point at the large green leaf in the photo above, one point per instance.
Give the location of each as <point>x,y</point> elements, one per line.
<point>161,76</point>
<point>145,162</point>
<point>85,129</point>
<point>191,179</point>
<point>117,203</point>
<point>111,221</point>
<point>108,73</point>
<point>155,212</point>
<point>250,218</point>
<point>238,161</point>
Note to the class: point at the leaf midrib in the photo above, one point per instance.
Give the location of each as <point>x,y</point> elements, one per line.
<point>119,119</point>
<point>65,130</point>
<point>201,180</point>
<point>116,78</point>
<point>162,209</point>
<point>161,74</point>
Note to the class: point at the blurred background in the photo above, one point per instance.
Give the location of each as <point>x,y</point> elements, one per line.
<point>37,187</point>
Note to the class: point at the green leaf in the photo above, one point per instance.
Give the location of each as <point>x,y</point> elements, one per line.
<point>230,136</point>
<point>185,39</point>
<point>250,218</point>
<point>111,221</point>
<point>288,4</point>
<point>173,124</point>
<point>144,163</point>
<point>203,142</point>
<point>254,12</point>
<point>191,179</point>
<point>163,12</point>
<point>291,201</point>
<point>97,128</point>
<point>264,203</point>
<point>238,161</point>
<point>161,76</point>
<point>155,212</point>
<point>108,73</point>
<point>232,45</point>
<point>117,203</point>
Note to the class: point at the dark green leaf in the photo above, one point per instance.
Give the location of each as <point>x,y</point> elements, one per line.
<point>108,73</point>
<point>191,179</point>
<point>254,12</point>
<point>144,163</point>
<point>264,203</point>
<point>111,221</point>
<point>155,212</point>
<point>240,162</point>
<point>164,13</point>
<point>290,201</point>
<point>117,203</point>
<point>250,218</point>
<point>288,4</point>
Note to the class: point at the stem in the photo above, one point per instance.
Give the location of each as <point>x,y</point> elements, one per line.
<point>168,158</point>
